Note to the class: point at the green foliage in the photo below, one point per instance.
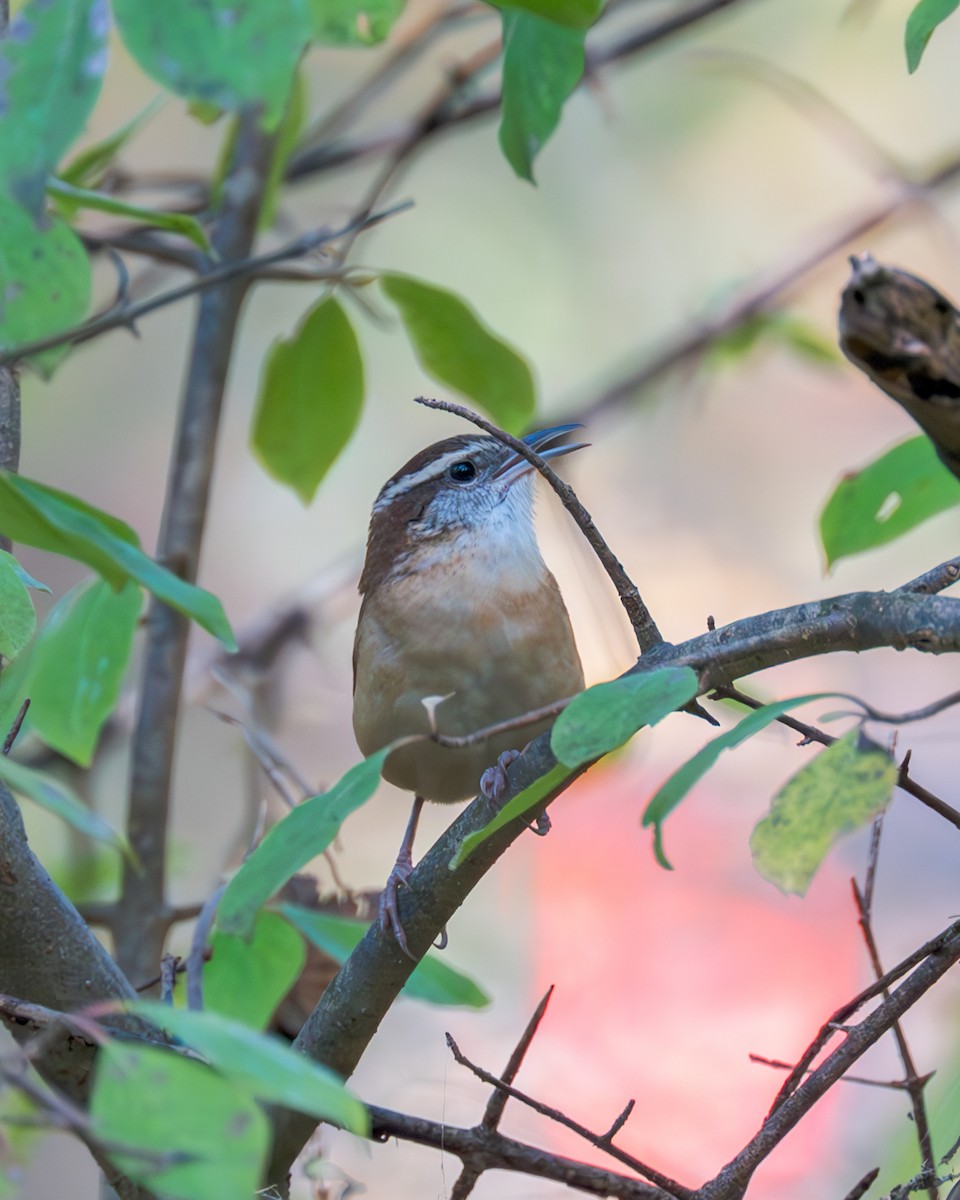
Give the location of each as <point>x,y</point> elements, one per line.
<point>432,980</point>
<point>353,22</point>
<point>47,281</point>
<point>844,787</point>
<point>773,328</point>
<point>542,65</point>
<point>75,668</point>
<point>681,781</point>
<point>261,1064</point>
<point>87,169</point>
<point>192,1133</point>
<point>530,800</point>
<point>456,348</point>
<point>51,68</point>
<point>246,979</point>
<point>216,51</point>
<point>879,503</point>
<point>575,14</point>
<point>921,23</point>
<point>69,198</point>
<point>609,714</point>
<point>57,798</point>
<point>18,618</point>
<point>63,524</point>
<point>311,396</point>
<point>303,833</point>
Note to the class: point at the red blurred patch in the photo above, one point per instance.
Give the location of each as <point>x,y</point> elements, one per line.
<point>667,980</point>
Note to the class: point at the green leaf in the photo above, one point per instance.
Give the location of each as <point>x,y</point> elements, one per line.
<point>58,799</point>
<point>885,499</point>
<point>18,618</point>
<point>77,665</point>
<point>51,66</point>
<point>432,980</point>
<point>246,980</point>
<point>777,327</point>
<point>529,800</point>
<point>46,281</point>
<point>456,348</point>
<point>69,198</point>
<point>844,787</point>
<point>576,14</point>
<point>311,396</point>
<point>542,65</point>
<point>681,781</point>
<point>191,1133</point>
<point>353,22</point>
<point>88,168</point>
<point>921,23</point>
<point>218,51</point>
<point>263,1064</point>
<point>609,714</point>
<point>303,833</point>
<point>52,520</point>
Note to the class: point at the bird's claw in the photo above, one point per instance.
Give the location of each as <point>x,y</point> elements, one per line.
<point>388,916</point>
<point>494,782</point>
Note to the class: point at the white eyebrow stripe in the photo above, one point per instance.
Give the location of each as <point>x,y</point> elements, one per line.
<point>432,470</point>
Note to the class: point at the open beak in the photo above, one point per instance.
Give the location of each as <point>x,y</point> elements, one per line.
<point>515,467</point>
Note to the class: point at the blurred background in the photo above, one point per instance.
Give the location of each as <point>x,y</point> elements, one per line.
<point>674,181</point>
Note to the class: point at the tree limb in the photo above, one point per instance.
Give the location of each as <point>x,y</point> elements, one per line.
<point>339,1029</point>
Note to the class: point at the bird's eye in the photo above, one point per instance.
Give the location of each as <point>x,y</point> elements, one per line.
<point>462,472</point>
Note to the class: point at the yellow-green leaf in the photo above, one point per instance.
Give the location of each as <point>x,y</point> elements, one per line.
<point>840,790</point>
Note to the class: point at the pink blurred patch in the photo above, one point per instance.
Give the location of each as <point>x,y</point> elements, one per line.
<point>666,981</point>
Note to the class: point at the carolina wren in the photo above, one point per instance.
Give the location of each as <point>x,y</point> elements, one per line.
<point>461,626</point>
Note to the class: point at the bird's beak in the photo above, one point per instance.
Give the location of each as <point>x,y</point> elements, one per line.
<point>515,467</point>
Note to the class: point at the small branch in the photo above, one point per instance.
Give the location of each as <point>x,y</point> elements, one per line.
<point>647,633</point>
<point>482,1150</point>
<point>198,947</point>
<point>234,270</point>
<point>732,1180</point>
<point>936,579</point>
<point>498,1100</point>
<point>860,1189</point>
<point>143,916</point>
<point>601,1142</point>
<point>14,730</point>
<point>912,1081</point>
<point>810,733</point>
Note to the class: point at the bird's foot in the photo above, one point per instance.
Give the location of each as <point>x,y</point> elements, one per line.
<point>493,785</point>
<point>494,782</point>
<point>388,915</point>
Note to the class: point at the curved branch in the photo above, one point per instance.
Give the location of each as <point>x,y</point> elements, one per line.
<point>339,1029</point>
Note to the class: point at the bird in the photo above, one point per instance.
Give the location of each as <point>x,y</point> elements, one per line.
<point>461,626</point>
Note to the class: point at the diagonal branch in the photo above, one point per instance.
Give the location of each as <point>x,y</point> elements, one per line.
<point>337,1032</point>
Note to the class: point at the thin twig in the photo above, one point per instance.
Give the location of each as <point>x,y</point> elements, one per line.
<point>670,1186</point>
<point>498,1099</point>
<point>196,957</point>
<point>15,727</point>
<point>810,733</point>
<point>644,627</point>
<point>232,271</point>
<point>861,1188</point>
<point>913,1082</point>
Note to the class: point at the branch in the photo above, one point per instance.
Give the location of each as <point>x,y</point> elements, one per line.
<point>143,915</point>
<point>731,1182</point>
<point>644,626</point>
<point>338,1031</point>
<point>236,270</point>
